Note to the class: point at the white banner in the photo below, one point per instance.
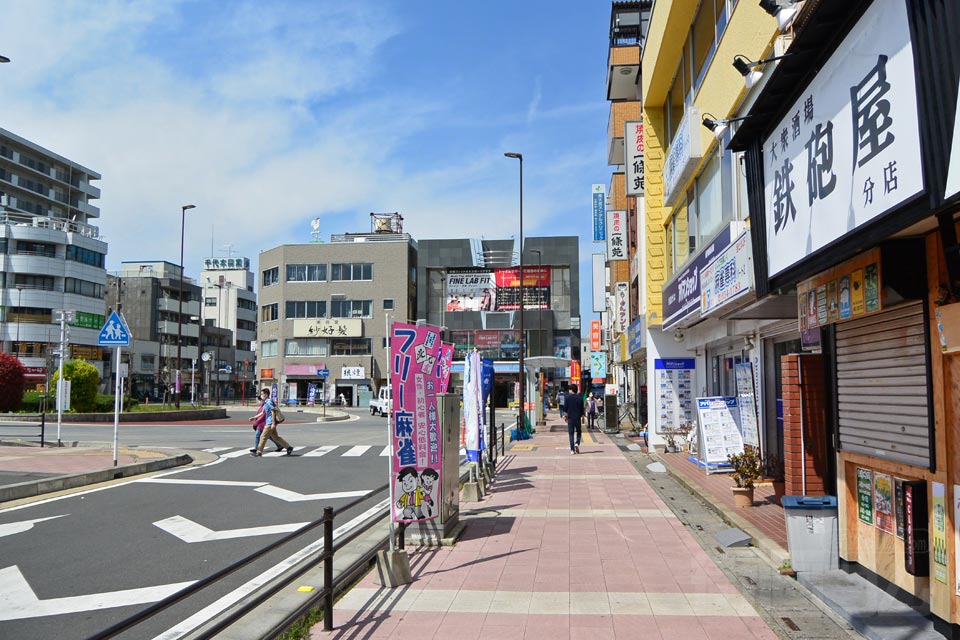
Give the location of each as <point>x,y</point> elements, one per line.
<point>633,149</point>
<point>471,401</point>
<point>617,236</point>
<point>848,150</point>
<point>728,276</point>
<point>622,310</point>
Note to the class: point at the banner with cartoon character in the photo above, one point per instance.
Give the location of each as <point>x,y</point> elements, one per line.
<point>415,357</point>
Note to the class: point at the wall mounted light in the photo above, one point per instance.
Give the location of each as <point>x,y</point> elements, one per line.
<point>678,335</point>
<point>785,11</point>
<point>718,126</point>
<point>747,68</point>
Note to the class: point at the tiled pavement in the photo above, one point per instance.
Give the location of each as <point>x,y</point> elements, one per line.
<point>766,515</point>
<point>565,546</point>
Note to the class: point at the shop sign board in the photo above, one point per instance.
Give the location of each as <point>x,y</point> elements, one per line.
<point>674,392</point>
<point>883,502</point>
<point>848,290</point>
<point>681,294</point>
<point>328,328</point>
<point>617,236</point>
<point>915,549</point>
<point>230,264</point>
<point>598,365</point>
<point>898,505</point>
<point>352,373</point>
<point>728,277</point>
<point>719,429</point>
<point>683,156</point>
<point>865,495</point>
<point>599,193</point>
<point>747,402</point>
<point>636,335</point>
<point>848,150</point>
<point>596,335</point>
<point>633,149</point>
<point>622,308</point>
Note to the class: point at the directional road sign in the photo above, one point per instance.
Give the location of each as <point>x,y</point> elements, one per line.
<point>114,333</point>
<point>323,373</point>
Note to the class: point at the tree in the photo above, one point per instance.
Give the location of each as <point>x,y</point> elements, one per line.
<point>84,380</point>
<point>12,382</point>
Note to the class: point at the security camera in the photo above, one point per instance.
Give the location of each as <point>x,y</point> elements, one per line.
<point>678,336</point>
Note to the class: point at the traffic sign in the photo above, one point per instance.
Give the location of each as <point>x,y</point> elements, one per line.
<point>114,333</point>
<point>228,369</point>
<point>323,373</point>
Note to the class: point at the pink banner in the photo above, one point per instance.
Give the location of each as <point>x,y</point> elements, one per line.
<point>415,351</point>
<point>446,364</point>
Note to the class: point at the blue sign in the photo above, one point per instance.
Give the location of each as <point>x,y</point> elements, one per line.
<point>311,394</point>
<point>675,363</point>
<point>598,365</point>
<point>323,373</point>
<point>599,213</point>
<point>681,294</point>
<point>114,333</point>
<point>228,369</point>
<point>274,392</point>
<point>635,335</point>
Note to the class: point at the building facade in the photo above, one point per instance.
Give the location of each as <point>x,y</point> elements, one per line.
<point>324,310</point>
<point>51,257</point>
<point>230,303</point>
<point>471,287</point>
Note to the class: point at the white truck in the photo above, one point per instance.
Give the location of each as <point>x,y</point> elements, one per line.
<point>383,403</point>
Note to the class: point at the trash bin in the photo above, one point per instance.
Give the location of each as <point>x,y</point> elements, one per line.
<point>812,534</point>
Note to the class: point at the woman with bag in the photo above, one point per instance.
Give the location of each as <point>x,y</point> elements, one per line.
<point>259,421</point>
<point>270,427</point>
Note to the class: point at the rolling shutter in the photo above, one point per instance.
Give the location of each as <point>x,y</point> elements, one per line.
<point>882,385</point>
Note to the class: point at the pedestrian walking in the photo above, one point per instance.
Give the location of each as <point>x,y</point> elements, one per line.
<point>259,421</point>
<point>592,411</point>
<point>574,408</point>
<point>561,402</point>
<point>270,426</point>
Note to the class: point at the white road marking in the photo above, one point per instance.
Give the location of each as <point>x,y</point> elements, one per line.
<point>236,454</point>
<point>190,532</point>
<point>280,454</point>
<point>385,452</point>
<point>356,451</point>
<point>293,496</point>
<point>241,592</point>
<point>217,449</point>
<point>18,600</point>
<point>209,483</point>
<point>19,527</point>
<point>321,451</point>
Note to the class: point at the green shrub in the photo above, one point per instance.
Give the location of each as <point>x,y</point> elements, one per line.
<point>33,401</point>
<point>84,379</point>
<point>12,382</point>
<point>105,403</point>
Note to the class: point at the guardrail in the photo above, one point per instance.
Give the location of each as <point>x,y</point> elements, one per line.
<point>42,426</point>
<point>329,587</point>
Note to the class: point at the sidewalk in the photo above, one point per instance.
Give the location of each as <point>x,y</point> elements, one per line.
<point>565,546</point>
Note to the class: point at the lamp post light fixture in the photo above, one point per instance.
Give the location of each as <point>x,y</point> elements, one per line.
<point>523,337</point>
<point>177,378</point>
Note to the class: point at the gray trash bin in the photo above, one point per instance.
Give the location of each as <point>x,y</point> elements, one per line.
<point>812,532</point>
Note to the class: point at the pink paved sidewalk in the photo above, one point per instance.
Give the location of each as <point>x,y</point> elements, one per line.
<point>65,461</point>
<point>564,547</point>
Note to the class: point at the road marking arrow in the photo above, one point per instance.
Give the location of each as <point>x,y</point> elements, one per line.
<point>18,601</point>
<point>189,531</point>
<point>209,483</point>
<point>19,527</point>
<point>293,496</point>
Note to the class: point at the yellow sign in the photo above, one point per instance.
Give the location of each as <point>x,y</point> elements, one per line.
<point>848,290</point>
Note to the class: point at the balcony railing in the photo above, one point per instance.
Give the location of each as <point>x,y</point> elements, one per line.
<point>46,222</point>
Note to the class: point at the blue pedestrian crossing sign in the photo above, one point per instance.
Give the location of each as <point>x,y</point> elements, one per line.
<point>114,333</point>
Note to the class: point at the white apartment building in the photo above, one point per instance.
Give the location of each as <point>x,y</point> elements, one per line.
<point>51,256</point>
<point>230,303</point>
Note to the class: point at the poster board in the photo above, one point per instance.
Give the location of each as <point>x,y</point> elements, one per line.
<point>719,431</point>
<point>865,495</point>
<point>674,389</point>
<point>747,399</point>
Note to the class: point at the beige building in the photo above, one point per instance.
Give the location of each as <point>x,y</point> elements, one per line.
<point>323,313</point>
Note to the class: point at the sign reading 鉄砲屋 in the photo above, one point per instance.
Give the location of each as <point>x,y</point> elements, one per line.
<point>848,151</point>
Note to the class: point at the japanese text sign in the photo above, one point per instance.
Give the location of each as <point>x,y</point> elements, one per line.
<point>617,236</point>
<point>599,193</point>
<point>622,311</point>
<point>596,335</point>
<point>415,353</point>
<point>633,149</point>
<point>728,277</point>
<point>848,150</point>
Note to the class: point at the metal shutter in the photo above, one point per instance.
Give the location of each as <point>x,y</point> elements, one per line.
<point>882,385</point>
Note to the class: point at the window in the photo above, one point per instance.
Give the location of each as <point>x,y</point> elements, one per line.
<point>305,347</point>
<point>3,242</point>
<point>306,309</point>
<point>712,213</point>
<point>268,349</point>
<point>351,271</point>
<point>351,309</point>
<point>306,273</point>
<point>36,248</point>
<point>270,312</point>
<point>388,304</point>
<point>209,302</point>
<point>249,305</point>
<point>246,325</point>
<point>271,276</point>
<point>86,256</point>
<point>82,287</point>
<point>47,283</point>
<point>350,347</point>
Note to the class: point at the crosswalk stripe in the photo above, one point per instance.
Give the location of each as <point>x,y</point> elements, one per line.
<point>385,452</point>
<point>320,451</point>
<point>278,454</point>
<point>356,451</point>
<point>216,449</point>
<point>236,454</point>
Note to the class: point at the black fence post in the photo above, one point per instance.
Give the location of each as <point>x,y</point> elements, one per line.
<point>328,569</point>
<point>43,426</point>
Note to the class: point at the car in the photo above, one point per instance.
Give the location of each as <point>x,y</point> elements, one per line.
<point>383,403</point>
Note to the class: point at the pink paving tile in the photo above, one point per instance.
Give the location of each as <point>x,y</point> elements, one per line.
<point>592,633</point>
<point>724,627</point>
<point>680,628</point>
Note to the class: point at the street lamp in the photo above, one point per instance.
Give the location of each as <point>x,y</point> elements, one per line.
<point>523,337</point>
<point>177,383</point>
<point>19,313</point>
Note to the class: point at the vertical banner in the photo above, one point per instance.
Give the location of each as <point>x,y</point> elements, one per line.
<point>446,364</point>
<point>633,150</point>
<point>617,236</point>
<point>311,394</point>
<point>599,192</point>
<point>471,405</point>
<point>747,399</point>
<point>596,334</point>
<point>575,371</point>
<point>622,310</point>
<point>939,532</point>
<point>486,388</point>
<point>415,352</point>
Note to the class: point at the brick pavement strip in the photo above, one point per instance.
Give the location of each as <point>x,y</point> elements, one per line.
<point>564,547</point>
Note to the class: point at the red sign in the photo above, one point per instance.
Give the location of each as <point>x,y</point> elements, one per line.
<point>35,372</point>
<point>595,335</point>
<point>575,371</point>
<point>488,339</point>
<point>532,277</point>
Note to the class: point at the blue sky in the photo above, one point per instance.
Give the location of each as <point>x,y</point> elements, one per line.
<point>269,114</point>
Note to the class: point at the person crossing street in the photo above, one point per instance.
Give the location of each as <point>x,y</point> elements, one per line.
<point>270,428</point>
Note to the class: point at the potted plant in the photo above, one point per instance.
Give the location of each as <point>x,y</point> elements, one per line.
<point>677,437</point>
<point>773,469</point>
<point>747,468</point>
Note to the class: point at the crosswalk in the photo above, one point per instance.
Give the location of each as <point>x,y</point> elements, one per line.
<point>343,451</point>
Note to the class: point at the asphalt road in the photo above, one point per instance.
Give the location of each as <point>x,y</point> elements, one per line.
<point>73,566</point>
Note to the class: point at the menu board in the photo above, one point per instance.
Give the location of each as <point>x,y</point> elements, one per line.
<point>746,397</point>
<point>674,380</point>
<point>719,430</point>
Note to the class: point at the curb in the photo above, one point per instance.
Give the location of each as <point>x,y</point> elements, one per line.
<point>773,552</point>
<point>142,416</point>
<point>60,483</point>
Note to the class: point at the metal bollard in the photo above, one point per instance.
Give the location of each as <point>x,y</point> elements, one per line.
<point>43,426</point>
<point>328,569</point>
